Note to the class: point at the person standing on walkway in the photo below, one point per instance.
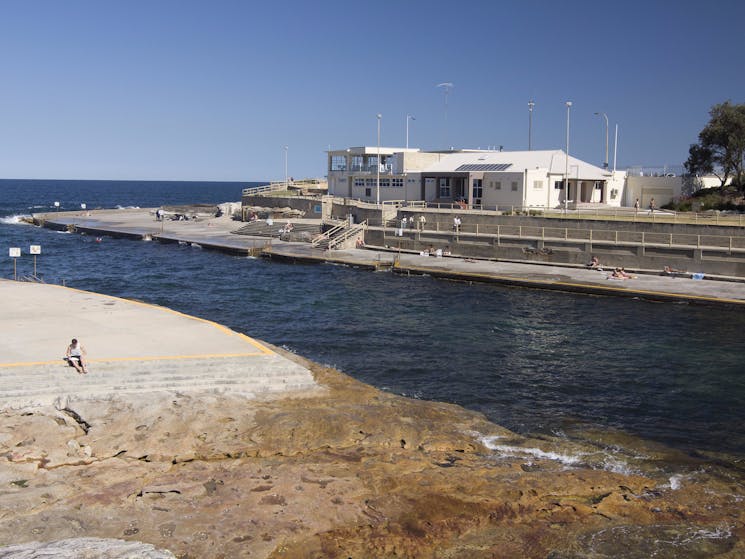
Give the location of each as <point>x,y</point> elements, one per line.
<point>74,355</point>
<point>422,222</point>
<point>652,205</point>
<point>636,205</point>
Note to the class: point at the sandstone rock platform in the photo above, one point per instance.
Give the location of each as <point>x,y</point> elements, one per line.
<point>344,470</point>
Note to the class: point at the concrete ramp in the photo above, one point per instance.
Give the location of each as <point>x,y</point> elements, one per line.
<point>132,347</point>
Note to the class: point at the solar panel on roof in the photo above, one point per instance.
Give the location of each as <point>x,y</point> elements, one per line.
<point>484,167</point>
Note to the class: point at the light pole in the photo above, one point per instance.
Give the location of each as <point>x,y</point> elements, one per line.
<point>531,104</point>
<point>446,86</point>
<point>377,182</point>
<point>566,164</point>
<point>287,184</point>
<point>605,116</point>
<point>408,118</point>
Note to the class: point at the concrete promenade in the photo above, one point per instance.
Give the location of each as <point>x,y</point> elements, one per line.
<point>216,233</point>
<point>132,347</point>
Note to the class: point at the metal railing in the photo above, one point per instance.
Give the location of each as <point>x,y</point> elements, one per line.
<point>346,234</point>
<point>278,186</point>
<point>621,213</point>
<point>585,236</point>
<point>327,235</point>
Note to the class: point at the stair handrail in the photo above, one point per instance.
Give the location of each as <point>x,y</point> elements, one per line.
<point>325,236</point>
<point>346,234</point>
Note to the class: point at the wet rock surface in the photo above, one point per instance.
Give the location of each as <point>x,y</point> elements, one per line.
<point>82,548</point>
<point>351,471</point>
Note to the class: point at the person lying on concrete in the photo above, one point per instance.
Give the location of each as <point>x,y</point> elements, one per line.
<point>74,356</point>
<point>672,272</point>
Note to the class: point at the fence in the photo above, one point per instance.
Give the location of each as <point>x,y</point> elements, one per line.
<point>590,236</point>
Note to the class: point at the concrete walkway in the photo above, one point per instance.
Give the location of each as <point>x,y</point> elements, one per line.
<point>559,278</point>
<point>216,233</point>
<point>132,347</point>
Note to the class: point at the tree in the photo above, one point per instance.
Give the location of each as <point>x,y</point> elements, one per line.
<point>721,145</point>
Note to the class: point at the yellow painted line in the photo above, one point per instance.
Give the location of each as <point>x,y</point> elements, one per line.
<point>583,286</point>
<point>139,358</point>
<point>224,329</point>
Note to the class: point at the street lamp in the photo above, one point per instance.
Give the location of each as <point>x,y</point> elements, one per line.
<point>605,116</point>
<point>446,86</point>
<point>408,118</point>
<point>287,184</point>
<point>531,104</point>
<point>566,162</point>
<point>377,189</point>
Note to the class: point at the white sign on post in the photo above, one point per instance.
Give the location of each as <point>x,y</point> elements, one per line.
<point>14,252</point>
<point>82,206</point>
<point>56,204</point>
<point>35,249</point>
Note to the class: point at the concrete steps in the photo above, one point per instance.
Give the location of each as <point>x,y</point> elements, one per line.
<point>261,229</point>
<point>45,384</point>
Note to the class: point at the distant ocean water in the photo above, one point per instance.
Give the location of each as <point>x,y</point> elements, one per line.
<point>532,361</point>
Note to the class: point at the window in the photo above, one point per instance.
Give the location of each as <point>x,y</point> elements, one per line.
<point>445,187</point>
<point>359,182</point>
<point>538,185</point>
<point>368,192</point>
<point>497,185</point>
<point>598,185</point>
<point>338,162</point>
<point>514,186</point>
<point>559,185</point>
<point>478,188</point>
<point>358,163</point>
<point>397,183</point>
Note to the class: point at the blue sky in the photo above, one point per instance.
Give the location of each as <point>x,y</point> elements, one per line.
<point>214,90</point>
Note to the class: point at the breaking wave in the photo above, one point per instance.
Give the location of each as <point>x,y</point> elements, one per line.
<point>15,219</point>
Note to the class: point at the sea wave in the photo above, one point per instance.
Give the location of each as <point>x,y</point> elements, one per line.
<point>15,219</point>
<point>507,451</point>
<point>605,459</point>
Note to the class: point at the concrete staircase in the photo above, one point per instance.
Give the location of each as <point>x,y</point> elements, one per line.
<point>57,384</point>
<point>261,229</point>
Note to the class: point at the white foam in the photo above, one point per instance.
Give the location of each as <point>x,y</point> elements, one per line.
<point>15,219</point>
<point>675,481</point>
<point>515,451</point>
<point>609,462</point>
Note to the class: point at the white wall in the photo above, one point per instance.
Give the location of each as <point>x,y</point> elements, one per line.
<point>503,196</point>
<point>662,189</point>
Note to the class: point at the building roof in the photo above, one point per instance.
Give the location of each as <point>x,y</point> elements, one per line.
<point>371,150</point>
<point>553,161</point>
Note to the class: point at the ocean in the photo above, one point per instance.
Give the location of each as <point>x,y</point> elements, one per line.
<point>533,361</point>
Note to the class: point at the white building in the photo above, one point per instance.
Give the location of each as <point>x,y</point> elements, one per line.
<point>479,178</point>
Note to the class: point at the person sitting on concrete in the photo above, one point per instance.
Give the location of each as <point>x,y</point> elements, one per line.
<point>359,243</point>
<point>74,356</point>
<point>672,272</point>
<point>594,263</point>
